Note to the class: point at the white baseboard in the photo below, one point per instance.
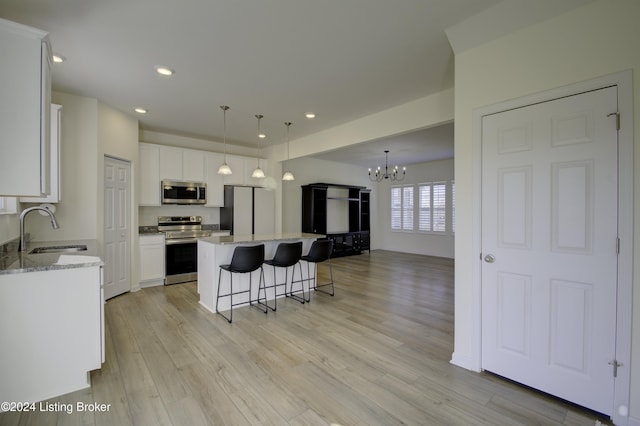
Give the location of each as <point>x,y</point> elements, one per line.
<point>464,362</point>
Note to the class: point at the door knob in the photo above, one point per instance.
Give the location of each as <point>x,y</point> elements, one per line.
<point>489,258</point>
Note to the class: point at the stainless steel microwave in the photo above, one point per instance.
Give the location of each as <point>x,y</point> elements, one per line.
<point>183,192</point>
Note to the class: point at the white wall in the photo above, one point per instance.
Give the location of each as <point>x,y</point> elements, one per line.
<point>597,39</point>
<point>9,227</point>
<point>311,170</point>
<point>77,212</point>
<point>90,129</point>
<point>414,242</point>
<point>117,135</point>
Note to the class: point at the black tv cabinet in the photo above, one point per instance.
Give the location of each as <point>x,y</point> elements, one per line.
<point>317,199</point>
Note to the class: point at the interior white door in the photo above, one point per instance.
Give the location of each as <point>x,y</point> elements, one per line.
<point>117,229</point>
<point>549,237</point>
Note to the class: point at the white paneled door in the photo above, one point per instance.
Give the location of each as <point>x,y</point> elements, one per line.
<point>117,228</point>
<point>549,238</point>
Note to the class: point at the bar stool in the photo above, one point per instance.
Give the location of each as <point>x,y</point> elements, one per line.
<point>319,252</point>
<point>245,260</point>
<point>287,254</point>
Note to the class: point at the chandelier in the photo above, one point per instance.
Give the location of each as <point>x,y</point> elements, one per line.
<point>395,175</point>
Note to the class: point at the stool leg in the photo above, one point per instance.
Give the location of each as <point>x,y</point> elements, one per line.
<point>291,295</point>
<point>317,287</point>
<point>261,285</point>
<point>309,278</point>
<point>230,295</point>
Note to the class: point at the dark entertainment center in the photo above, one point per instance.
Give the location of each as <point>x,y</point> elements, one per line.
<point>341,212</point>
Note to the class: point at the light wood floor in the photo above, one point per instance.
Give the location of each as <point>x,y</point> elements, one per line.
<point>376,353</point>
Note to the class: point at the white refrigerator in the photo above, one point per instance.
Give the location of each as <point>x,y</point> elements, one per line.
<point>248,210</point>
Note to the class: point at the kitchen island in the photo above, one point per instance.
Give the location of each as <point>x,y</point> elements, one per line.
<point>216,251</point>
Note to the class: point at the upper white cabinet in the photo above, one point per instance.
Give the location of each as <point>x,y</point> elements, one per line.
<point>181,164</point>
<point>158,162</point>
<point>193,165</point>
<point>237,176</point>
<point>215,182</point>
<point>55,167</point>
<point>149,158</point>
<point>242,168</point>
<point>25,99</point>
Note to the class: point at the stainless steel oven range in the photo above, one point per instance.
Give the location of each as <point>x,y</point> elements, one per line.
<point>181,251</point>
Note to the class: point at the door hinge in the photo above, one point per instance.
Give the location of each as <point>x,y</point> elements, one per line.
<point>617,114</point>
<point>617,245</point>
<point>615,364</point>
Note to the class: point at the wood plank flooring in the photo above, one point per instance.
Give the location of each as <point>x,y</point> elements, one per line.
<point>375,354</point>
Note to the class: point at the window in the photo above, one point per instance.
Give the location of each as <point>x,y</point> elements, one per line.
<point>8,205</point>
<point>402,208</point>
<point>432,216</point>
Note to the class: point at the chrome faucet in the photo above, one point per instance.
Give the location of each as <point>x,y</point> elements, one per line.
<point>54,224</point>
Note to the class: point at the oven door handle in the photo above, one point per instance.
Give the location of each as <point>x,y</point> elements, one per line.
<point>181,241</point>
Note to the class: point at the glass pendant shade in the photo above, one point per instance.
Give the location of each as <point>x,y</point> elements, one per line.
<point>224,168</point>
<point>257,173</point>
<point>287,176</point>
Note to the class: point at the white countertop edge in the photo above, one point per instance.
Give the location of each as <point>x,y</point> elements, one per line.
<point>245,239</point>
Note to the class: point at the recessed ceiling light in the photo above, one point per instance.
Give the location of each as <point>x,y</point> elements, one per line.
<point>262,135</point>
<point>141,110</point>
<point>165,71</point>
<point>310,115</point>
<point>58,59</point>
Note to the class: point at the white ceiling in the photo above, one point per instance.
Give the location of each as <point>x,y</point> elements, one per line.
<point>342,59</point>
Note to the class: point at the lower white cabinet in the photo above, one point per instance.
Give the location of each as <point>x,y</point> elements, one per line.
<point>52,328</point>
<point>152,252</point>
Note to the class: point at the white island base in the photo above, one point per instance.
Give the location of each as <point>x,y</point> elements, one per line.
<point>216,251</point>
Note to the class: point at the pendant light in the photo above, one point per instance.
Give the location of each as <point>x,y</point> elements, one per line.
<point>258,173</point>
<point>224,169</point>
<point>288,175</point>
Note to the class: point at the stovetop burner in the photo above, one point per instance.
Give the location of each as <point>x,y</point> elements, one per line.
<point>182,227</point>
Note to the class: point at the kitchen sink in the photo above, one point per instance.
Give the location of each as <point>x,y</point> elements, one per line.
<point>58,249</point>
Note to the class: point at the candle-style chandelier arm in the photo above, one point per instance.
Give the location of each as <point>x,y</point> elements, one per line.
<point>396,174</point>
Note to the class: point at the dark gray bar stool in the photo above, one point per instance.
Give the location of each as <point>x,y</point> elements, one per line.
<point>287,254</point>
<point>320,251</point>
<point>245,260</point>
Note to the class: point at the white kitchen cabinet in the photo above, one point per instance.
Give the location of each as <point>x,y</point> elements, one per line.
<point>152,260</point>
<point>149,174</point>
<point>242,168</point>
<point>170,163</point>
<point>52,332</point>
<point>181,164</point>
<point>237,175</point>
<point>193,165</point>
<point>55,166</point>
<point>25,99</point>
<point>215,182</point>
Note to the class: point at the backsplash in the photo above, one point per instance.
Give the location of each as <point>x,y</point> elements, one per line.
<point>9,247</point>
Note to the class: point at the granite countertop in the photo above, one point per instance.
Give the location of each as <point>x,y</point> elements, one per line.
<point>15,262</point>
<point>240,239</point>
